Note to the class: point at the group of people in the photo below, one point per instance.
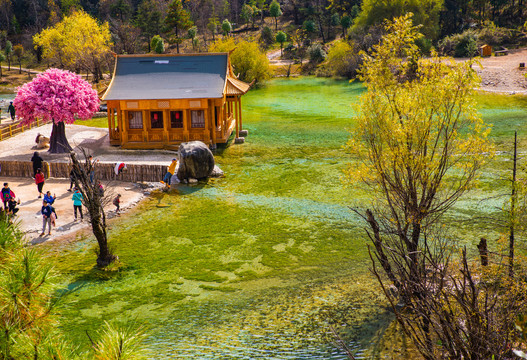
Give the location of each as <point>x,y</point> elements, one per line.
<point>49,215</point>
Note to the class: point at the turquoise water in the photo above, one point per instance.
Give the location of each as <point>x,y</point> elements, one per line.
<point>258,264</point>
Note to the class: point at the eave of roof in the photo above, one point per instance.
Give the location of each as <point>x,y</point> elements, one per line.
<point>236,87</point>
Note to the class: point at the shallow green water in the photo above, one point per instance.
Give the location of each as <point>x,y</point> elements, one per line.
<point>257,264</point>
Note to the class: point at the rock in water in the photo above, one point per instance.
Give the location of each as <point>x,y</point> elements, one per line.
<point>195,160</point>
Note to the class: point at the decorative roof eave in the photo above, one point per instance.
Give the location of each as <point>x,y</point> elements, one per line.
<point>236,87</point>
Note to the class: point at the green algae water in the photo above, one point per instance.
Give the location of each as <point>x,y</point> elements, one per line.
<point>260,263</point>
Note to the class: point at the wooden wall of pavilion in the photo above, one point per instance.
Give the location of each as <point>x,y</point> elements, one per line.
<point>220,117</point>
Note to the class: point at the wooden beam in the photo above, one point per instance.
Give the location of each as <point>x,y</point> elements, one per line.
<point>240,110</point>
<point>213,121</point>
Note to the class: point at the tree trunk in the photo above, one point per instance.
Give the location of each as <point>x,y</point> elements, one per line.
<point>177,40</point>
<point>58,143</point>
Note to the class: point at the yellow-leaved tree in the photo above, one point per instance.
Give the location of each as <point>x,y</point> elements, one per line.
<point>76,43</point>
<point>419,141</point>
<point>418,146</point>
<point>248,61</point>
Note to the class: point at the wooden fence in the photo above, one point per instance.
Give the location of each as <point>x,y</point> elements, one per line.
<point>103,171</point>
<point>7,131</point>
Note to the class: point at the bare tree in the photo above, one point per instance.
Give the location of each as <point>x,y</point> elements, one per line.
<point>94,203</point>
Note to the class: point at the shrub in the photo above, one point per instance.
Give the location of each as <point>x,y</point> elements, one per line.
<point>247,59</point>
<point>493,35</point>
<point>266,36</point>
<point>316,53</point>
<point>460,45</point>
<point>343,59</point>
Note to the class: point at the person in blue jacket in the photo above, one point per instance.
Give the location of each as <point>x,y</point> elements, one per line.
<point>46,217</point>
<point>50,199</point>
<point>77,203</point>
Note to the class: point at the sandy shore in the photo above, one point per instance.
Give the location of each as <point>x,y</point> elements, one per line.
<point>94,140</point>
<point>30,218</point>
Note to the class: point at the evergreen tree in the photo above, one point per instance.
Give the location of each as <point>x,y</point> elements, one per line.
<point>275,11</point>
<point>281,37</point>
<point>8,51</point>
<point>179,19</point>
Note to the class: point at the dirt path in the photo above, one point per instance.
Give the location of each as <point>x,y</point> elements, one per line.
<point>502,74</point>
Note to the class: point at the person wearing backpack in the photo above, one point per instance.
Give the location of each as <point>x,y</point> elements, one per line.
<point>6,194</point>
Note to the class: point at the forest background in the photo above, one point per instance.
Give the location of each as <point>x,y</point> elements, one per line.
<point>322,37</point>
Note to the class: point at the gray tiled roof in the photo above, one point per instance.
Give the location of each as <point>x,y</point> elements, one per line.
<point>168,77</point>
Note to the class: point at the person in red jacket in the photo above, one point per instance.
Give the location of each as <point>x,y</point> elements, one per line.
<point>6,194</point>
<point>39,180</point>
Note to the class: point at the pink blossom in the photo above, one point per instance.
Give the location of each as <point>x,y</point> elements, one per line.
<point>56,94</point>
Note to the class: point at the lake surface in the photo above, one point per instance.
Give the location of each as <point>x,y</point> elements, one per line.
<point>258,264</point>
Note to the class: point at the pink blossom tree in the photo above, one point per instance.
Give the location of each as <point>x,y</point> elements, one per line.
<point>57,95</point>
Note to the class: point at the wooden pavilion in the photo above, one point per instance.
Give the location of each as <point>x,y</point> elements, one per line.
<point>160,101</point>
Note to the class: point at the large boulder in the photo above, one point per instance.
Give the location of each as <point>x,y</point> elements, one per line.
<point>195,161</point>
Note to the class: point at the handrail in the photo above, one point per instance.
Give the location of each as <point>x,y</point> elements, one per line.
<point>13,129</point>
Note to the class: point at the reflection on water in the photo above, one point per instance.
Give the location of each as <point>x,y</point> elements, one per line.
<point>257,264</point>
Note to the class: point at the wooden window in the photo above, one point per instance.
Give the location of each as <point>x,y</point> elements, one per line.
<point>197,118</point>
<point>135,120</point>
<point>156,119</point>
<point>176,119</point>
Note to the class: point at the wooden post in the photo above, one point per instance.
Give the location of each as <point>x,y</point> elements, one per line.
<point>166,120</point>
<point>213,121</point>
<point>145,129</point>
<point>124,133</point>
<point>240,111</point>
<point>186,116</point>
<point>236,121</point>
<point>513,206</point>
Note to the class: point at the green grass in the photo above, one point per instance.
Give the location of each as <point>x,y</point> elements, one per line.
<point>101,122</point>
<point>245,263</point>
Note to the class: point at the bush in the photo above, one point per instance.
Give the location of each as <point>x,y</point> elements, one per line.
<point>460,45</point>
<point>316,53</point>
<point>247,59</point>
<point>493,35</point>
<point>266,36</point>
<point>343,60</point>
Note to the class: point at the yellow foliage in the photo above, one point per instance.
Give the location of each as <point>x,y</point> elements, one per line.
<point>77,41</point>
<point>419,139</point>
<point>248,61</point>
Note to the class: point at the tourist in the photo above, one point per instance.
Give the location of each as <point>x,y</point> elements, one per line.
<point>170,172</point>
<point>39,180</point>
<point>100,188</point>
<point>91,168</point>
<point>37,162</point>
<point>6,194</point>
<point>50,199</point>
<point>117,203</point>
<point>53,216</point>
<point>11,110</point>
<point>119,167</point>
<point>46,217</point>
<point>12,210</point>
<point>77,203</point>
<point>73,178</point>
